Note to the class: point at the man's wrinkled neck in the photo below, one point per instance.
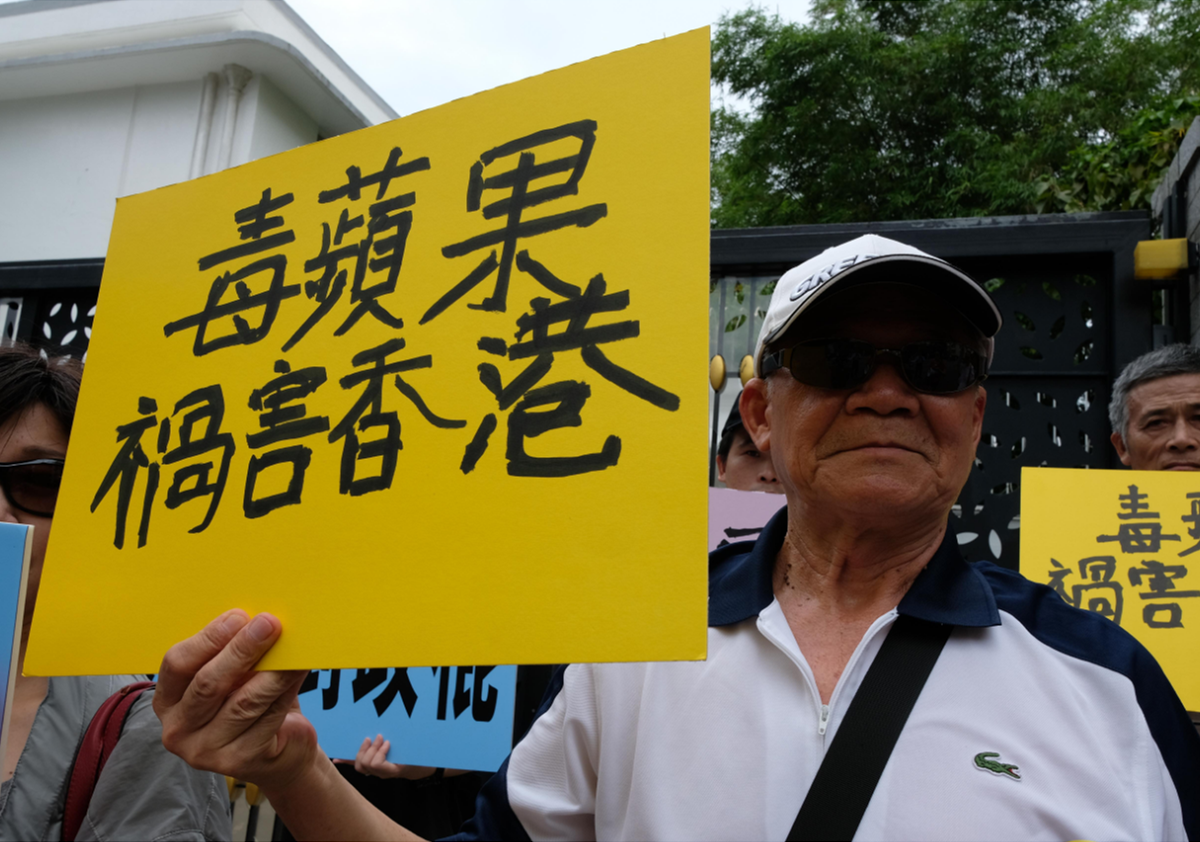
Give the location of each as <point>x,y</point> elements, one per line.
<point>850,563</point>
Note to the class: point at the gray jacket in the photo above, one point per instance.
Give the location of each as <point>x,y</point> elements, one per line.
<point>144,792</point>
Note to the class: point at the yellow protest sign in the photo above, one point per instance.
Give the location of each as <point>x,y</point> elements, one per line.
<point>431,392</point>
<point>1125,544</point>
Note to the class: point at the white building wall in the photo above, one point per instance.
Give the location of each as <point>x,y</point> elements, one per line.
<point>47,31</point>
<point>60,191</point>
<point>80,129</point>
<point>66,159</point>
<point>160,136</point>
<point>278,125</point>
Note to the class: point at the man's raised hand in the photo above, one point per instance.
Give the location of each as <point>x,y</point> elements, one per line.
<point>220,715</point>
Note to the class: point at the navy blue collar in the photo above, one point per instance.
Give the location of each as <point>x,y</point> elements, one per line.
<point>947,591</point>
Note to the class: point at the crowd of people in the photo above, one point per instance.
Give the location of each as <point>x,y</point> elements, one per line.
<point>970,702</point>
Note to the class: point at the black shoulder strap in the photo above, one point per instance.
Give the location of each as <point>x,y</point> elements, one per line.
<point>846,780</point>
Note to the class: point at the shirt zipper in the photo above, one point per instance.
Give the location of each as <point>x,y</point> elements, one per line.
<point>806,671</point>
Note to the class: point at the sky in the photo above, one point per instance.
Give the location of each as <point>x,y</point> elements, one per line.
<point>420,53</point>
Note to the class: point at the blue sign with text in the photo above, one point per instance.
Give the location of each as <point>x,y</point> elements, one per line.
<point>14,538</point>
<point>453,717</point>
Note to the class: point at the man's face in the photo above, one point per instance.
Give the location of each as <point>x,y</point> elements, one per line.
<point>746,468</point>
<point>1164,425</point>
<point>882,449</point>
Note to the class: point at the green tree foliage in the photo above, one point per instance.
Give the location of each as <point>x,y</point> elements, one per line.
<point>909,109</point>
<point>1120,174</point>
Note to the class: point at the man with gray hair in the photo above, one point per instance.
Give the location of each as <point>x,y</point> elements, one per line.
<point>1155,411</point>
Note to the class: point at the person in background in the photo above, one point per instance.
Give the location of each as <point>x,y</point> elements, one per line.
<point>1155,415</point>
<point>144,792</point>
<point>1155,410</point>
<point>740,464</point>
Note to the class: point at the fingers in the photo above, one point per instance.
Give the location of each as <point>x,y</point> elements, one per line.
<point>219,714</point>
<point>249,735</point>
<point>361,756</point>
<point>184,659</point>
<point>368,759</point>
<point>266,733</point>
<point>372,758</point>
<point>257,707</point>
<point>222,673</point>
<point>379,761</point>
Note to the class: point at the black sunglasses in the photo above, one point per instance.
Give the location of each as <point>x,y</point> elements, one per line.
<point>32,486</point>
<point>935,368</point>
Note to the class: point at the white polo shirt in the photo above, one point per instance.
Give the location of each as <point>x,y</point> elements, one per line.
<point>1100,747</point>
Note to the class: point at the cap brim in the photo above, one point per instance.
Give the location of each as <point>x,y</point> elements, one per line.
<point>941,279</point>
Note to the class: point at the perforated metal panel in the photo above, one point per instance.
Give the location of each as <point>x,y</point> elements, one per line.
<point>63,324</point>
<point>51,304</point>
<point>1048,394</point>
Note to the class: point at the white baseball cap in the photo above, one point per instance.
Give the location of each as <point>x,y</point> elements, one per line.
<point>867,259</point>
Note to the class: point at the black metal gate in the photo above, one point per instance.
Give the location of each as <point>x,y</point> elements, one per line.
<point>1073,316</point>
<point>50,303</point>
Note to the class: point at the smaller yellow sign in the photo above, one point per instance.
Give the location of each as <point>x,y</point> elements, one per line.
<point>1125,545</point>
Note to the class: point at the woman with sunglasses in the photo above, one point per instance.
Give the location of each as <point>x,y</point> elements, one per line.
<point>144,792</point>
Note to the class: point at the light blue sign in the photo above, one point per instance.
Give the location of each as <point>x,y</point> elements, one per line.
<point>454,717</point>
<point>12,561</point>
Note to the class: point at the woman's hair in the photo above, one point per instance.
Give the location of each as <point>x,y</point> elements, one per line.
<point>28,378</point>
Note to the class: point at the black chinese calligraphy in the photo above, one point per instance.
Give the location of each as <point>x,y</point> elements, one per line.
<point>1098,592</point>
<point>200,436</point>
<point>565,399</point>
<point>1138,537</point>
<point>1159,580</point>
<point>480,696</point>
<point>527,172</point>
<point>521,189</point>
<point>130,459</point>
<point>283,418</point>
<point>517,183</point>
<point>368,680</point>
<point>230,298</point>
<point>575,314</point>
<point>192,442</point>
<point>384,233</point>
<point>201,460</point>
<point>1192,519</point>
<point>329,694</point>
<point>1101,591</point>
<point>367,414</point>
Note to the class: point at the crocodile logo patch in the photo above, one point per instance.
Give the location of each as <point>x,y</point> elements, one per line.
<point>984,761</point>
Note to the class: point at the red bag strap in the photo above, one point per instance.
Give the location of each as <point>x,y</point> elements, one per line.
<point>98,743</point>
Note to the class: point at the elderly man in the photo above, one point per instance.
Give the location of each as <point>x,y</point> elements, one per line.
<point>861,678</point>
<point>1155,411</point>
